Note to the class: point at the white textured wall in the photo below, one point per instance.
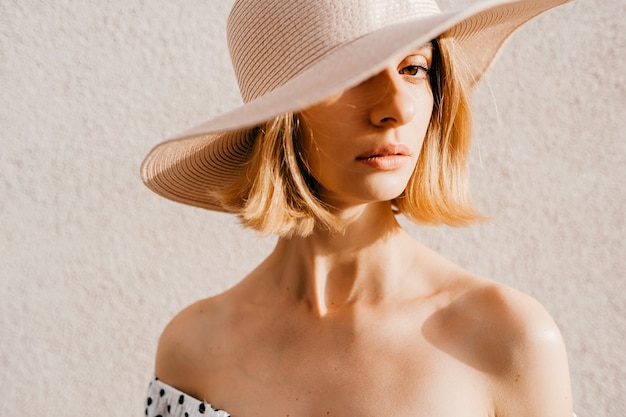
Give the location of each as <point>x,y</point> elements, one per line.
<point>92,264</point>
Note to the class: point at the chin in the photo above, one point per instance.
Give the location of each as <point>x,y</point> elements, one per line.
<point>364,190</point>
<point>389,188</point>
<point>382,194</point>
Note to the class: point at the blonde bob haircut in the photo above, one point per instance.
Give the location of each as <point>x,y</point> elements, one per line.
<point>275,193</point>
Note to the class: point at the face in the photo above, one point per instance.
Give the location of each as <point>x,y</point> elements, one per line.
<point>362,144</point>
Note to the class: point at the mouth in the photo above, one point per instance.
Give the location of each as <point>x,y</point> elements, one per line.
<point>386,157</point>
<point>386,150</point>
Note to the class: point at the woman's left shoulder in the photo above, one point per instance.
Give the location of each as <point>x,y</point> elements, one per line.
<point>514,324</point>
<point>520,347</point>
<point>512,313</point>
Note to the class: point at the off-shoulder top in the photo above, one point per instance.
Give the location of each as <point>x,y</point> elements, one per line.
<point>166,401</point>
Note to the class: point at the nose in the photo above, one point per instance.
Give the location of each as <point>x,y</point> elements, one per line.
<point>392,103</point>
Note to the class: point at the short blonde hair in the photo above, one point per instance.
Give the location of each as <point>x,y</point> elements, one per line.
<point>275,193</point>
<point>437,192</point>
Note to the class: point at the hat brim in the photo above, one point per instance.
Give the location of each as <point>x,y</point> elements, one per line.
<point>189,167</point>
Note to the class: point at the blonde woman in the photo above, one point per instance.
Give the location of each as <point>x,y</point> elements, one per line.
<point>356,111</point>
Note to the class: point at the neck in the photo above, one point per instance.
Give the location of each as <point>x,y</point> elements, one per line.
<point>362,265</point>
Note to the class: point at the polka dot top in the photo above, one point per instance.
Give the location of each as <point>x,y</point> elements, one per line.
<point>166,401</point>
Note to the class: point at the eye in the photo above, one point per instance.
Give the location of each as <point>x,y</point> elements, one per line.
<point>416,66</point>
<point>418,71</point>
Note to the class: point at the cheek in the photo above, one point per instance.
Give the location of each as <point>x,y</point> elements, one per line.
<point>423,119</point>
<point>310,150</point>
<point>321,143</point>
<point>318,157</point>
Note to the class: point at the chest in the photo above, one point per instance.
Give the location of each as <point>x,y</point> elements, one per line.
<point>317,375</point>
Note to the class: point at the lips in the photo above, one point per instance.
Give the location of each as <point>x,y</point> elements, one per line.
<point>386,157</point>
<point>388,149</point>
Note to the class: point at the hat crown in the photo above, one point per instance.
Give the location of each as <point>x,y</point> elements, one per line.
<point>272,41</point>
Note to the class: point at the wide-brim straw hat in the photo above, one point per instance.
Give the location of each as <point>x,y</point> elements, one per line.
<point>290,54</point>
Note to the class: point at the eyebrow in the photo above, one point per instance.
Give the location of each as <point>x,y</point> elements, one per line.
<point>427,47</point>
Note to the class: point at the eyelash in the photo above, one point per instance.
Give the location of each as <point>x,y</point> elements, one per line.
<point>414,69</point>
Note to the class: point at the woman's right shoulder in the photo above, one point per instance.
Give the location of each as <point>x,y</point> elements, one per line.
<point>185,325</point>
<point>192,341</point>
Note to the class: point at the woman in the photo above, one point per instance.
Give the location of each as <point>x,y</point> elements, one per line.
<point>355,111</point>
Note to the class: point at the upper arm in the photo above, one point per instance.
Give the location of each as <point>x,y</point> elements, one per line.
<point>535,381</point>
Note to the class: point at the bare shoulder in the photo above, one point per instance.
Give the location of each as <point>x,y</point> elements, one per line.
<point>193,340</point>
<point>535,379</point>
<point>511,338</point>
<point>518,320</point>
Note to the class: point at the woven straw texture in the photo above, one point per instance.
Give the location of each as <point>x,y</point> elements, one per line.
<point>288,55</point>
